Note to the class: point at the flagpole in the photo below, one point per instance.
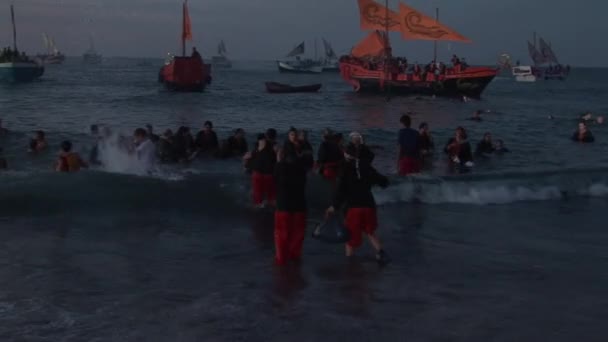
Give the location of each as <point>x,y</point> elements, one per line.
<point>14,29</point>
<point>435,43</point>
<point>184,29</point>
<point>387,53</point>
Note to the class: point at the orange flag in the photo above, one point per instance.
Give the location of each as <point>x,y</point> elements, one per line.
<point>373,17</point>
<point>417,26</point>
<point>186,29</point>
<point>372,46</point>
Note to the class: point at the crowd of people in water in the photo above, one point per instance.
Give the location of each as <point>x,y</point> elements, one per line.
<point>8,55</point>
<point>279,171</point>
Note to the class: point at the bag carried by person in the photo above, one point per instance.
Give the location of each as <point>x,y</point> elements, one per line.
<point>331,230</point>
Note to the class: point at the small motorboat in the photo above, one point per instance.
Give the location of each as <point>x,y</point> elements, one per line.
<point>280,88</point>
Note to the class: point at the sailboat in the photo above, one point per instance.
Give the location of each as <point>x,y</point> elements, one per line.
<point>185,73</point>
<point>91,56</point>
<point>221,60</point>
<point>546,64</point>
<point>52,55</point>
<point>299,65</point>
<point>15,66</point>
<point>330,61</point>
<point>370,67</point>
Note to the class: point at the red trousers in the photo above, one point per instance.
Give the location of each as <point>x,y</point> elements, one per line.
<point>263,187</point>
<point>330,171</point>
<point>359,221</point>
<point>408,166</point>
<point>289,231</point>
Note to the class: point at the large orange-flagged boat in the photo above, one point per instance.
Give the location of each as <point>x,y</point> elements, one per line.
<point>185,73</point>
<point>371,67</point>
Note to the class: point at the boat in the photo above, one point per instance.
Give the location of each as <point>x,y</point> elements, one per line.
<point>299,65</point>
<point>524,73</point>
<point>91,56</point>
<point>330,63</point>
<point>18,67</point>
<point>280,88</point>
<point>371,68</point>
<point>52,55</point>
<point>545,60</point>
<point>185,73</point>
<point>221,61</point>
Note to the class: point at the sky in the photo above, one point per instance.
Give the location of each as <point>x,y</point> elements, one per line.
<point>268,29</point>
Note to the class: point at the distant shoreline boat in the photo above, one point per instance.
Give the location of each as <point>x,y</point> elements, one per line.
<point>91,56</point>
<point>185,73</point>
<point>52,55</point>
<point>299,65</point>
<point>16,67</point>
<point>221,61</point>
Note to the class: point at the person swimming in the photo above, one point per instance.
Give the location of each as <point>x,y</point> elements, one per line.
<point>583,134</point>
<point>38,143</point>
<point>145,150</point>
<point>499,147</point>
<point>206,140</point>
<point>69,161</point>
<point>458,148</point>
<point>485,146</point>
<point>235,146</point>
<point>165,148</point>
<point>476,116</point>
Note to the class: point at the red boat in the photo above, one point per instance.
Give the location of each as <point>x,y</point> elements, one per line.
<point>186,73</point>
<point>280,88</point>
<point>371,67</point>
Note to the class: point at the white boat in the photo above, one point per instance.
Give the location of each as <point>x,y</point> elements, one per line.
<point>91,56</point>
<point>52,55</point>
<point>299,65</point>
<point>221,60</point>
<point>330,63</point>
<point>524,73</point>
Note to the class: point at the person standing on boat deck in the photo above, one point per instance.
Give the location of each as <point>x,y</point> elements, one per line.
<point>206,140</point>
<point>409,148</point>
<point>290,214</point>
<point>355,193</point>
<point>69,161</point>
<point>196,54</point>
<point>262,163</point>
<point>583,134</point>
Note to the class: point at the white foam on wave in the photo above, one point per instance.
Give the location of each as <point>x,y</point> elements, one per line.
<point>480,193</point>
<point>116,158</point>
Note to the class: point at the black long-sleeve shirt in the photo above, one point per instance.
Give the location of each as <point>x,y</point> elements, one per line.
<point>263,161</point>
<point>355,186</point>
<point>290,180</point>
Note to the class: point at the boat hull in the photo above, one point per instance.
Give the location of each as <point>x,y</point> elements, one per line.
<point>295,69</point>
<point>470,81</point>
<point>20,72</point>
<point>279,88</point>
<point>185,74</point>
<point>221,62</point>
<point>51,59</point>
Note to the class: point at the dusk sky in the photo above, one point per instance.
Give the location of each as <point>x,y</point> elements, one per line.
<point>268,29</point>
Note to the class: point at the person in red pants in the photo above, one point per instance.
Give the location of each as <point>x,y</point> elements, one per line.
<point>355,192</point>
<point>262,162</point>
<point>290,215</point>
<point>409,148</point>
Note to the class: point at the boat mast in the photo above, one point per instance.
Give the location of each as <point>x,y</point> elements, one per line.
<point>183,29</point>
<point>14,29</point>
<point>435,42</point>
<point>387,56</point>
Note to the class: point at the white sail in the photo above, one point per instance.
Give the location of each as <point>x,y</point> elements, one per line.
<point>329,51</point>
<point>221,49</point>
<point>47,44</point>
<point>298,50</point>
<point>535,55</point>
